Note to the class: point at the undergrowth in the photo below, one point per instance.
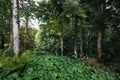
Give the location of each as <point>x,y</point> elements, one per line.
<point>50,67</point>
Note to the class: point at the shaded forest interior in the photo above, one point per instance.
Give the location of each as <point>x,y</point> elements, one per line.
<point>83,30</point>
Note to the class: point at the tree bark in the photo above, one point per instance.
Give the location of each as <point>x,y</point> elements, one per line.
<point>75,37</point>
<point>15,29</point>
<point>100,30</point>
<point>11,34</point>
<point>81,39</point>
<point>61,40</point>
<point>100,44</point>
<point>61,37</point>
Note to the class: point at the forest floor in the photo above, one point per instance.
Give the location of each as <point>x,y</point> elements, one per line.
<point>52,67</point>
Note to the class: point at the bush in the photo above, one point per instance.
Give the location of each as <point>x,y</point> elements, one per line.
<point>12,66</point>
<point>49,67</point>
<point>9,52</point>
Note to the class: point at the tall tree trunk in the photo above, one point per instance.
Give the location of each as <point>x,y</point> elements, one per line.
<point>99,45</point>
<point>100,41</point>
<point>100,30</point>
<point>11,34</point>
<point>88,41</point>
<point>61,37</point>
<point>75,37</point>
<point>81,39</point>
<point>61,40</point>
<point>15,29</point>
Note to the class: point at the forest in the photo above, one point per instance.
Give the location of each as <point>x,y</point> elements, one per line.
<point>59,39</point>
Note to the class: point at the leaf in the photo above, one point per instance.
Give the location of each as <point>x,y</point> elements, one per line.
<point>1,65</point>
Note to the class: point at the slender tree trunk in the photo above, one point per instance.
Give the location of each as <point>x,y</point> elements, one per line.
<point>75,37</point>
<point>15,29</point>
<point>99,45</point>
<point>81,39</point>
<point>11,34</point>
<point>61,37</point>
<point>100,30</point>
<point>88,41</point>
<point>61,40</point>
<point>100,41</point>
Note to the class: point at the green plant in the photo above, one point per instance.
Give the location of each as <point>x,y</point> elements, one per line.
<point>51,67</point>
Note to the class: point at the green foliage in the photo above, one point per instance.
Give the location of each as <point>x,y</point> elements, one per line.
<point>47,38</point>
<point>11,66</point>
<point>54,15</point>
<point>5,15</point>
<point>27,38</point>
<point>46,67</point>
<point>9,52</point>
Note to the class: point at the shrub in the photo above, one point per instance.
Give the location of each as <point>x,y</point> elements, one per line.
<point>49,67</point>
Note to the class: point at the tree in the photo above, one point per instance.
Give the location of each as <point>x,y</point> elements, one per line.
<point>11,34</point>
<point>76,12</point>
<point>26,11</point>
<point>81,38</point>
<point>49,10</point>
<point>59,9</point>
<point>15,28</point>
<point>5,13</point>
<point>76,37</point>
